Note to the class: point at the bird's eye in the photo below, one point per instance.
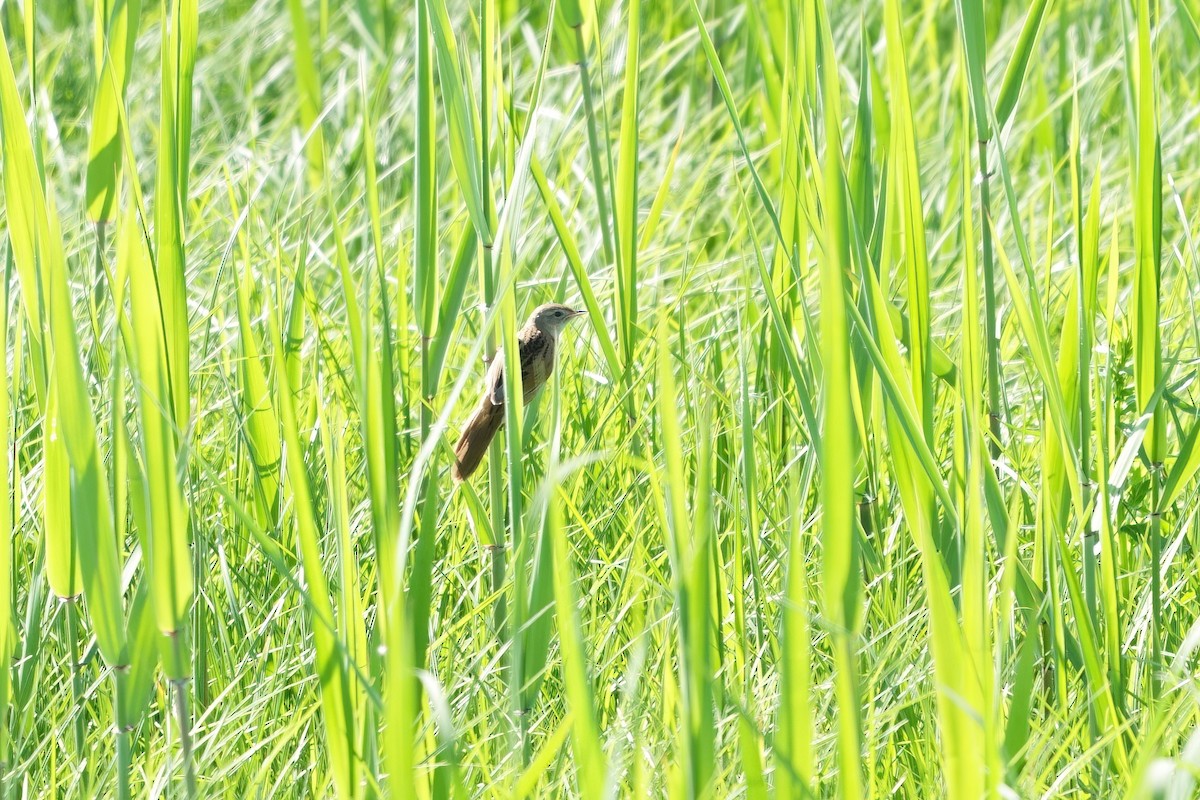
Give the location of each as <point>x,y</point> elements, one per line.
<point>558,313</point>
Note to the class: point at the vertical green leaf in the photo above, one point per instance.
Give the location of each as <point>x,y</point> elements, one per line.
<point>794,745</point>
<point>62,557</point>
<point>1147,215</point>
<point>1018,63</point>
<point>81,544</point>
<point>625,203</point>
<point>308,87</point>
<point>165,542</point>
<point>331,667</point>
<point>7,630</point>
<point>971,23</point>
<point>261,424</point>
<point>425,262</point>
<point>171,195</point>
<point>581,700</point>
<point>116,26</point>
<point>839,557</point>
<point>462,117</point>
<point>25,210</point>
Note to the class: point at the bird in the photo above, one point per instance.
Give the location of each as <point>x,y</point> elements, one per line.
<point>536,343</point>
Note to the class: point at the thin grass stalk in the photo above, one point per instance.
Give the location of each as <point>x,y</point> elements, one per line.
<point>119,474</point>
<point>308,90</point>
<point>470,154</point>
<point>70,610</point>
<point>1103,522</point>
<point>794,743</point>
<point>1087,227</point>
<point>1030,315</point>
<point>501,514</point>
<point>162,363</point>
<point>409,656</point>
<point>133,681</point>
<point>1154,534</point>
<point>1148,363</point>
<point>538,561</point>
<point>165,540</point>
<point>997,408</point>
<point>426,281</point>
<point>586,742</point>
<point>971,26</point>
<point>1053,501</point>
<point>972,22</point>
<point>425,256</point>
<point>179,693</point>
<point>702,687</point>
<point>514,427</point>
<point>976,613</point>
<point>332,671</point>
<point>351,626</point>
<point>625,199</point>
<point>573,15</point>
<point>688,554</point>
<point>575,262</point>
<point>377,387</point>
<point>124,753</point>
<point>7,639</point>
<point>138,677</point>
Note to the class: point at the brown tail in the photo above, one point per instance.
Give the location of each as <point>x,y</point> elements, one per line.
<point>476,437</point>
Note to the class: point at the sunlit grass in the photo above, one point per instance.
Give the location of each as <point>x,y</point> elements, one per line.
<point>871,474</point>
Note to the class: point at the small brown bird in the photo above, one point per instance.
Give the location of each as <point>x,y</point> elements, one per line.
<point>536,342</point>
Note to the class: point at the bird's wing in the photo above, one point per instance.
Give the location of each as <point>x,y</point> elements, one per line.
<point>495,379</point>
<point>537,360</point>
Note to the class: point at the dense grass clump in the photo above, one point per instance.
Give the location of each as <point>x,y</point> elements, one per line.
<point>871,472</point>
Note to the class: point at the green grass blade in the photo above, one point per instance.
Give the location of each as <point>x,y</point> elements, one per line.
<point>839,558</point>
<point>585,731</point>
<point>625,201</point>
<point>425,261</point>
<point>7,629</point>
<point>169,562</point>
<point>337,705</point>
<point>308,87</point>
<point>81,544</point>
<point>178,59</point>
<point>462,118</point>
<point>1018,64</point>
<point>261,423</point>
<point>575,262</point>
<point>116,27</point>
<point>971,24</point>
<point>1147,343</point>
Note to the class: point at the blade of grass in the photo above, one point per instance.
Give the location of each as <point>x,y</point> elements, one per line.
<point>331,669</point>
<point>7,629</point>
<point>625,200</point>
<point>839,557</point>
<point>115,34</point>
<point>308,88</point>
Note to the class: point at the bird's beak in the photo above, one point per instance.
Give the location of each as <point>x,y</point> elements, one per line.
<point>578,314</point>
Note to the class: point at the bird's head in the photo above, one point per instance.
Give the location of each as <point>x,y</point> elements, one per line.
<point>553,317</point>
